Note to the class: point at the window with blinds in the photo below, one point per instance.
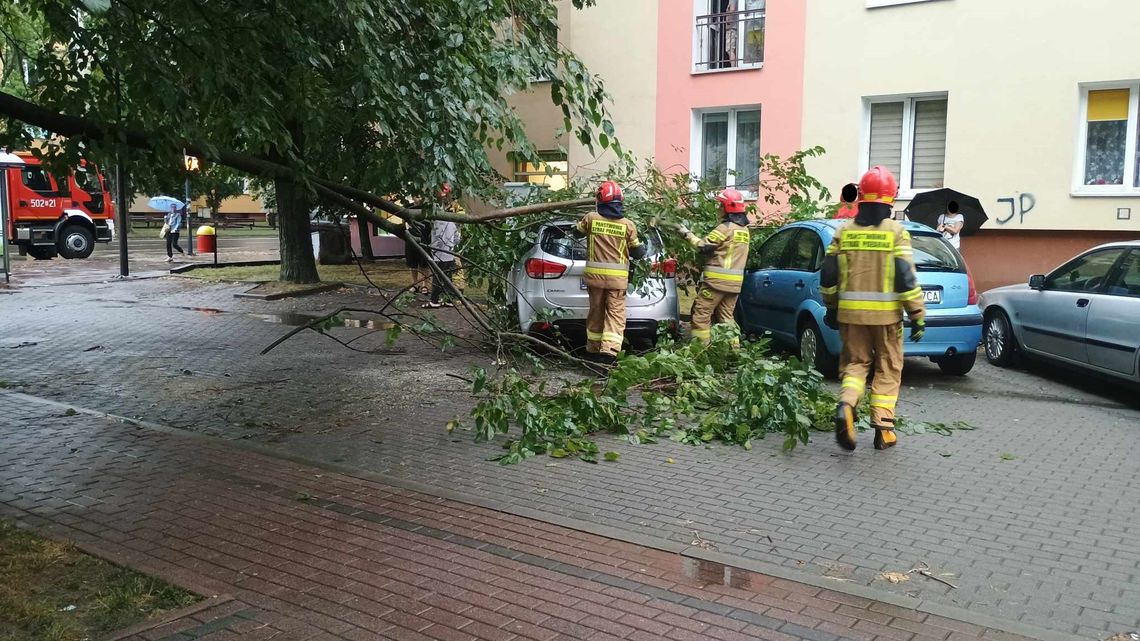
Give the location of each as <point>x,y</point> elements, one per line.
<point>908,136</point>
<point>928,168</point>
<point>886,136</point>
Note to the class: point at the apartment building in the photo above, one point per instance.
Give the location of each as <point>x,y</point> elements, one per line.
<point>1030,105</point>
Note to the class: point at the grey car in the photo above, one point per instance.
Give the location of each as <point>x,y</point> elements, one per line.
<point>551,293</point>
<point>1085,313</point>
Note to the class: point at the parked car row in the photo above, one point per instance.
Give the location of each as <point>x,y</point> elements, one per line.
<point>1086,313</point>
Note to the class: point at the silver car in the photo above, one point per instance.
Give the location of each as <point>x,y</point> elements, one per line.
<point>1084,313</point>
<point>551,289</point>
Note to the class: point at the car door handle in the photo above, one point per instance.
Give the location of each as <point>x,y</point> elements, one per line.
<point>800,284</point>
<point>767,283</point>
<point>1082,302</point>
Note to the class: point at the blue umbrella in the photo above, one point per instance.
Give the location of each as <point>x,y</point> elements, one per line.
<point>163,203</point>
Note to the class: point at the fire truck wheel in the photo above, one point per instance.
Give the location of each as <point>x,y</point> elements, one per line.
<point>76,242</point>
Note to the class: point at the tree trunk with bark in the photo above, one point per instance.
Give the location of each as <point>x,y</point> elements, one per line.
<point>365,238</point>
<point>298,265</point>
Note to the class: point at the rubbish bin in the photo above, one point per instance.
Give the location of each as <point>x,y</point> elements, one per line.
<point>207,239</point>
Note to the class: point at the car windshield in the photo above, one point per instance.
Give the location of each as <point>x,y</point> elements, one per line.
<point>932,254</point>
<point>564,242</point>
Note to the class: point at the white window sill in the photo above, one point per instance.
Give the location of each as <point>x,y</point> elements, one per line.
<point>875,4</point>
<point>759,65</point>
<point>1116,193</point>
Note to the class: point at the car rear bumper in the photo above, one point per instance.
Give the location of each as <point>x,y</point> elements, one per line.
<point>947,334</point>
<point>574,330</point>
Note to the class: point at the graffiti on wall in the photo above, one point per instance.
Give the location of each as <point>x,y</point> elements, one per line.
<point>1018,207</point>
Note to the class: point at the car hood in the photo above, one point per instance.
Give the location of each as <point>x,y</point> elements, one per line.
<point>991,295</point>
<point>1007,288</point>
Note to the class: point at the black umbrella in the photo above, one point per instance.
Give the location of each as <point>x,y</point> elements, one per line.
<point>929,205</point>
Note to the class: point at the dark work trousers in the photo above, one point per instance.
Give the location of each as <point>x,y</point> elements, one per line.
<point>438,287</point>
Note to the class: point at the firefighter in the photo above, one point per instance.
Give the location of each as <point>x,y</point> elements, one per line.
<point>726,252</point>
<point>868,279</point>
<point>611,240</point>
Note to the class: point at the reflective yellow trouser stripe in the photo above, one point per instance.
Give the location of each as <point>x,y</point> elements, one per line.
<point>851,382</point>
<point>593,336</point>
<point>611,337</point>
<point>884,401</point>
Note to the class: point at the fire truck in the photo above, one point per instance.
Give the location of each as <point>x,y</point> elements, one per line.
<point>51,215</point>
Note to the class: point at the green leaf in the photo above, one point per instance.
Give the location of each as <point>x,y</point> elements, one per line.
<point>612,456</point>
<point>559,453</point>
<point>1006,456</point>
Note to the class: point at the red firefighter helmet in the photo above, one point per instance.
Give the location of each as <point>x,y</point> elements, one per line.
<point>609,192</point>
<point>878,185</point>
<point>731,201</point>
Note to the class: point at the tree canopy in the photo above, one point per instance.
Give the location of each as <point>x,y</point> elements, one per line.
<point>399,97</point>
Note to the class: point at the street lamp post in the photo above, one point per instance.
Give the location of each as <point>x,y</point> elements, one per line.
<point>191,165</point>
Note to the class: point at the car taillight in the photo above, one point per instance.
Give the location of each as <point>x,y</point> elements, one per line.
<point>665,268</point>
<point>540,268</point>
<point>972,296</point>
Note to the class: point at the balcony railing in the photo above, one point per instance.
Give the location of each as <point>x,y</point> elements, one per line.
<point>733,40</point>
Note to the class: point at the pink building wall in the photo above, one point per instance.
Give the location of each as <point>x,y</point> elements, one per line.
<point>777,87</point>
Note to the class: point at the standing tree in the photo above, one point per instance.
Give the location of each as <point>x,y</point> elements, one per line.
<point>280,89</point>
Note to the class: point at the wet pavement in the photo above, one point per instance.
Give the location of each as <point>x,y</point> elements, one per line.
<point>1031,515</point>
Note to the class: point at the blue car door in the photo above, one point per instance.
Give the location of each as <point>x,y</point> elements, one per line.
<point>758,307</point>
<point>799,281</point>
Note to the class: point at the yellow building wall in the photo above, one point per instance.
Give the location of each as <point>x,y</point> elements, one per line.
<point>1012,70</point>
<point>617,39</point>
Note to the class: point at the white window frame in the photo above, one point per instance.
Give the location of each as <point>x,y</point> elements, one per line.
<point>700,8</point>
<point>875,4</point>
<point>697,147</point>
<point>905,177</point>
<point>1129,188</point>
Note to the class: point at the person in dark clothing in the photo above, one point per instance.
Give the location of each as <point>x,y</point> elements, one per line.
<point>421,271</point>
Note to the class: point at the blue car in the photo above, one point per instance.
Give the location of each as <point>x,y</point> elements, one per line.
<point>781,297</point>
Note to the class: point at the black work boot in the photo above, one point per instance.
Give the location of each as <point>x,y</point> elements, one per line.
<point>885,436</point>
<point>845,426</point>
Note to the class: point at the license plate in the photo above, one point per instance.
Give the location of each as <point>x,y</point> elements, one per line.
<point>932,296</point>
<point>582,284</point>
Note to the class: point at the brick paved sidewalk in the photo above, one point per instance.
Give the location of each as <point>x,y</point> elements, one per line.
<point>304,553</point>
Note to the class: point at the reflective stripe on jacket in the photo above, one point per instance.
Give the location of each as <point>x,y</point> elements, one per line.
<point>724,269</point>
<point>608,241</point>
<point>869,275</point>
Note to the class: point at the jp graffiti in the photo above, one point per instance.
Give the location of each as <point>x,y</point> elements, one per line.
<point>1019,206</point>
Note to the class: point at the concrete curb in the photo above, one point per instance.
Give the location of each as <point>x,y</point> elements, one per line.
<point>316,289</point>
<point>170,617</point>
<point>644,537</point>
<point>182,269</point>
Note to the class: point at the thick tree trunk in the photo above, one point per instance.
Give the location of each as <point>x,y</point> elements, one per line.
<point>365,238</point>
<point>297,262</point>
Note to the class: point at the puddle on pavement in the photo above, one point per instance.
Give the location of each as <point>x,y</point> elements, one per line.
<point>298,320</point>
<point>710,573</point>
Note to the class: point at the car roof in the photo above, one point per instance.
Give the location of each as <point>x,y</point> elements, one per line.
<point>830,225</point>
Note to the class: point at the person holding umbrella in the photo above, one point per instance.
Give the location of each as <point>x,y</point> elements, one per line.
<point>951,224</point>
<point>173,223</point>
<point>949,212</point>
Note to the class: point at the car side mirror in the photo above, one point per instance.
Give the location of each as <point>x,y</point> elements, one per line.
<point>1037,281</point>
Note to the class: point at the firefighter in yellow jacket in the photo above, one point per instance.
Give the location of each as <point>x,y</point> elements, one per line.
<point>611,240</point>
<point>726,251</point>
<point>868,279</point>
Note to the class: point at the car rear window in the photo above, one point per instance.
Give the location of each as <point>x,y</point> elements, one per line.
<point>564,242</point>
<point>933,254</point>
